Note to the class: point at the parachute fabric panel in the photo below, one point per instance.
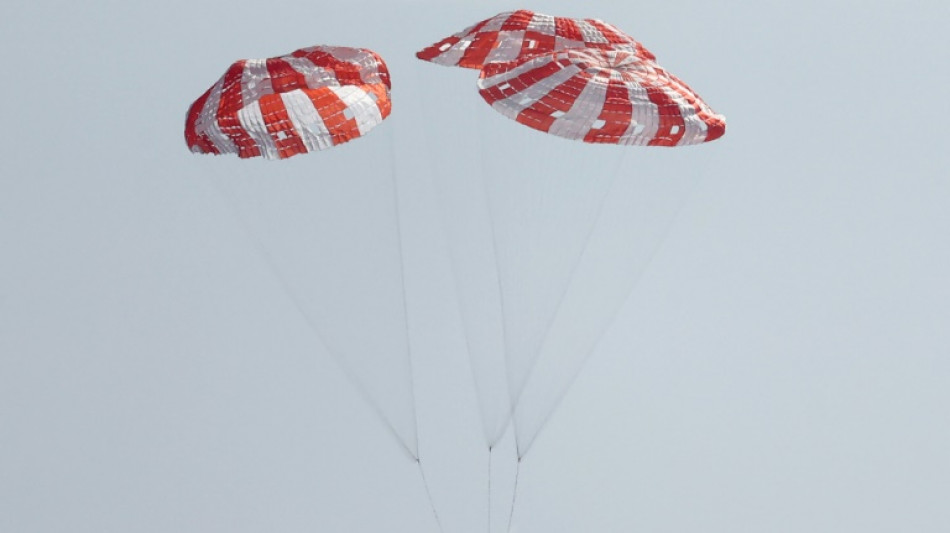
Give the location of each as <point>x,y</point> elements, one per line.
<point>519,34</point>
<point>600,96</point>
<point>309,100</point>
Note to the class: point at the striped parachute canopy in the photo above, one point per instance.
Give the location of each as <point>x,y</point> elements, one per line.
<point>600,96</point>
<point>518,34</point>
<point>312,99</point>
<point>581,79</point>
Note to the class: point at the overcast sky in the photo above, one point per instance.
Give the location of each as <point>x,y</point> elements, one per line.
<point>782,364</point>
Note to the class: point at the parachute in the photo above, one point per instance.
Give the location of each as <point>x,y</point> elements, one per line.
<point>311,99</point>
<point>331,240</point>
<point>600,96</point>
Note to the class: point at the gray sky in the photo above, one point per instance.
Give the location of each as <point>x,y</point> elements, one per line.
<point>781,366</point>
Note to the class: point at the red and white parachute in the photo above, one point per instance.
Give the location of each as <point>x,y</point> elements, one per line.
<point>600,96</point>
<point>311,99</point>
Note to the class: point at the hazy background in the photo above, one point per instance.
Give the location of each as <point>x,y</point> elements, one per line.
<point>782,366</point>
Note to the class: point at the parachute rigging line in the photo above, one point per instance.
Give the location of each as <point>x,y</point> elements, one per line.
<point>402,280</point>
<point>609,323</point>
<point>402,277</point>
<point>514,495</point>
<point>515,399</point>
<point>295,300</point>
<point>514,396</point>
<point>489,488</point>
<point>483,173</point>
<point>425,483</point>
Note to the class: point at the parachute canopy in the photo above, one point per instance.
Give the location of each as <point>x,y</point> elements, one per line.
<point>600,96</point>
<point>517,34</point>
<point>311,99</point>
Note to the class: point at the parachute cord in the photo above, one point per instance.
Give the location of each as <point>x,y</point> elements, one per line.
<point>514,495</point>
<point>425,483</point>
<point>570,280</point>
<point>456,277</point>
<point>501,292</point>
<point>489,488</point>
<point>402,281</point>
<point>308,320</point>
<point>405,306</point>
<point>613,317</point>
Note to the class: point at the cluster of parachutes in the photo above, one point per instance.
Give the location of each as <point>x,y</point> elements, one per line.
<point>580,79</point>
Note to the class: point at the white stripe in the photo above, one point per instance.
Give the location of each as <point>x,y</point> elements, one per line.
<point>542,23</point>
<point>516,103</point>
<point>563,43</point>
<point>315,76</point>
<point>495,23</point>
<point>508,75</point>
<point>645,113</point>
<point>255,81</point>
<point>361,105</point>
<point>308,123</point>
<point>696,129</point>
<point>577,122</point>
<point>509,47</point>
<point>207,121</point>
<point>367,63</point>
<point>687,112</point>
<point>453,55</point>
<point>591,34</point>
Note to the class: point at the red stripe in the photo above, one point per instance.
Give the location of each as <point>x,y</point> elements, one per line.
<point>542,44</point>
<point>346,73</point>
<point>231,103</point>
<point>669,116</point>
<point>318,57</point>
<point>382,72</point>
<point>612,35</point>
<point>469,35</point>
<point>280,127</point>
<point>566,28</point>
<point>642,52</point>
<point>486,41</point>
<point>474,56</point>
<point>561,98</point>
<point>383,101</point>
<point>193,138</point>
<point>434,51</point>
<point>330,108</point>
<point>283,77</point>
<point>517,84</point>
<point>518,21</point>
<point>617,115</point>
